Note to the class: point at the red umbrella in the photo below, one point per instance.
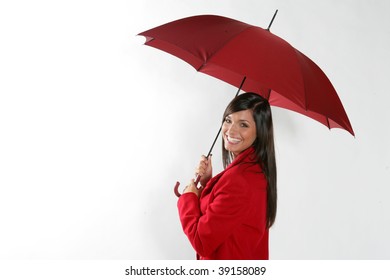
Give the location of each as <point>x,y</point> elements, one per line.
<point>231,50</point>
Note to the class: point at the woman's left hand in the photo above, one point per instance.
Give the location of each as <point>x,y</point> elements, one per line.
<point>192,188</point>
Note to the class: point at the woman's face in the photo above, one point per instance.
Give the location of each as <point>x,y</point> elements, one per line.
<point>239,131</point>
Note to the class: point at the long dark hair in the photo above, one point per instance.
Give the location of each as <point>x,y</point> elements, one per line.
<point>263,145</point>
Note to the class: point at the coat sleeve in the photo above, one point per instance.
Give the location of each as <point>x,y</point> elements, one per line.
<point>228,209</point>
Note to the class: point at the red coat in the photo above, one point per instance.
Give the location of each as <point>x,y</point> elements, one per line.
<point>229,219</point>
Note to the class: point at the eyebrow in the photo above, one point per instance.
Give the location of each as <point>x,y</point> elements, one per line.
<point>242,120</point>
<point>248,123</point>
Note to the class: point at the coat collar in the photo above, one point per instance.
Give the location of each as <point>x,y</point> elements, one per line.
<point>244,157</point>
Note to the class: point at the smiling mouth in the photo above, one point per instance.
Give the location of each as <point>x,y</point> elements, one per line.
<point>232,140</point>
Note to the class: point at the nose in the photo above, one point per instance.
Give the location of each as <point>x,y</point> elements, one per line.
<point>232,129</point>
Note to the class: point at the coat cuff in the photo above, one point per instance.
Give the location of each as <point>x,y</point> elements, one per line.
<point>189,210</point>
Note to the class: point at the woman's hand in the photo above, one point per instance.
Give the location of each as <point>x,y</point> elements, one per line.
<point>192,188</point>
<point>204,170</point>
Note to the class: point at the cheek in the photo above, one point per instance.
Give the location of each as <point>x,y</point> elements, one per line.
<point>252,136</point>
<point>224,129</point>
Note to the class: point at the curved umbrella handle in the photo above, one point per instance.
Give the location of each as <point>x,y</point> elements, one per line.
<point>176,188</point>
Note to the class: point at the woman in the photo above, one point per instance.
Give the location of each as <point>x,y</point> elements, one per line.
<point>229,216</point>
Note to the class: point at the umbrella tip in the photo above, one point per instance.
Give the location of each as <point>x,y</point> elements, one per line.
<point>272,20</point>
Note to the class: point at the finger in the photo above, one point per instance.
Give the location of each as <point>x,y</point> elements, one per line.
<point>203,159</point>
<point>201,167</point>
<point>200,171</point>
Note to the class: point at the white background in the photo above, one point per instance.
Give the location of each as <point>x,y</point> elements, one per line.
<point>95,129</point>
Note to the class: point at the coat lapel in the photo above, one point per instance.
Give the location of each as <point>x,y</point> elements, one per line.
<point>241,158</point>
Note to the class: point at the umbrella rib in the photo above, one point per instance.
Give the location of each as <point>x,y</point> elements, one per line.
<point>327,121</point>
<point>200,67</point>
<point>269,94</point>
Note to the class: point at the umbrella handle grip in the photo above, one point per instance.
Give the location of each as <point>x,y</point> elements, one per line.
<point>176,188</point>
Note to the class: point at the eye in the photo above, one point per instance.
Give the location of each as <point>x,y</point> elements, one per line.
<point>227,120</point>
<point>244,125</point>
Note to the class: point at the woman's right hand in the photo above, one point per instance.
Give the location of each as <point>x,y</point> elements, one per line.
<point>204,170</point>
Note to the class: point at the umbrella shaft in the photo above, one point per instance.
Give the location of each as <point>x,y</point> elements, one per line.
<point>197,179</point>
<point>272,20</point>
<point>219,131</point>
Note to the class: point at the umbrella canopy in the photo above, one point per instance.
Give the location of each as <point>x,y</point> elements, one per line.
<point>231,50</point>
